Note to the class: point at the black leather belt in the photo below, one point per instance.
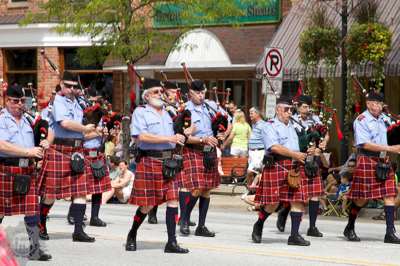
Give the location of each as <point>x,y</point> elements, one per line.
<point>18,162</point>
<point>68,142</point>
<point>196,147</point>
<point>368,153</point>
<point>259,149</point>
<point>278,157</point>
<point>163,154</point>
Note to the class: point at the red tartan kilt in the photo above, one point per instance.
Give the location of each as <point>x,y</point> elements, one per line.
<point>97,186</point>
<point>11,204</point>
<point>315,187</point>
<point>149,187</point>
<point>273,187</point>
<point>56,175</point>
<point>194,175</point>
<point>364,184</point>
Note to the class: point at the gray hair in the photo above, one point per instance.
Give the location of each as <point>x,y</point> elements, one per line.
<point>256,110</point>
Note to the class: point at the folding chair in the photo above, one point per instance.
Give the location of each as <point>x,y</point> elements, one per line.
<point>333,207</point>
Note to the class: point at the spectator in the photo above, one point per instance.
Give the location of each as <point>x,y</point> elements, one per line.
<point>110,146</point>
<point>239,136</point>
<point>113,162</point>
<point>121,187</point>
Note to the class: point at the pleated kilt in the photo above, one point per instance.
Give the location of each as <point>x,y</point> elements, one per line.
<point>12,204</point>
<point>315,186</point>
<point>273,187</point>
<point>194,175</point>
<point>58,182</point>
<point>365,185</point>
<point>149,187</point>
<point>103,184</point>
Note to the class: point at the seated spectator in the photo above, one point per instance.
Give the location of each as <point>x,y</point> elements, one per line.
<point>331,188</point>
<point>121,187</point>
<point>113,162</point>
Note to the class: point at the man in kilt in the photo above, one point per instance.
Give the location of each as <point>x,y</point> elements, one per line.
<point>95,158</point>
<point>64,173</point>
<point>282,157</point>
<point>154,182</point>
<point>18,179</point>
<point>369,181</point>
<point>305,120</point>
<point>200,173</point>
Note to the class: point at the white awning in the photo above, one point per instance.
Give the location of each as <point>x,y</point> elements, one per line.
<point>38,35</point>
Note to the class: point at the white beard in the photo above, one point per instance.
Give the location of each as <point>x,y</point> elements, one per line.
<point>156,102</point>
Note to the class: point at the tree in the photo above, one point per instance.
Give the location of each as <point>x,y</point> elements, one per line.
<point>123,28</point>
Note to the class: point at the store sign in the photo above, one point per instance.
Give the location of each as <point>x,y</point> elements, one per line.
<point>169,15</point>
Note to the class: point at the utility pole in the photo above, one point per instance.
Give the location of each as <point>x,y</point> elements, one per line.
<point>344,144</point>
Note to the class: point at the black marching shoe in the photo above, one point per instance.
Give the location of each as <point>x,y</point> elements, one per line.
<point>152,219</point>
<point>313,231</point>
<point>392,239</point>
<point>184,228</point>
<point>96,221</point>
<point>190,223</point>
<point>256,235</point>
<point>173,247</point>
<point>131,241</point>
<point>43,233</point>
<point>39,255</point>
<point>281,221</point>
<point>350,234</point>
<point>82,237</point>
<point>203,231</point>
<point>298,240</point>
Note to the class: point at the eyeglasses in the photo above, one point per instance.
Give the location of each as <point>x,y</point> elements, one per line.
<point>69,86</point>
<point>156,92</point>
<point>288,109</point>
<point>17,100</point>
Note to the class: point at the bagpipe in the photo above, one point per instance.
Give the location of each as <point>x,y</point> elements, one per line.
<point>392,121</point>
<point>181,117</point>
<point>219,120</point>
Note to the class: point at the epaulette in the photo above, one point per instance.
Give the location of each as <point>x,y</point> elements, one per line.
<point>360,117</point>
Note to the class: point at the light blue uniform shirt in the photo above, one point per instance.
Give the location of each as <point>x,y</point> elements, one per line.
<point>368,129</point>
<point>201,118</point>
<point>145,119</point>
<point>256,137</point>
<point>276,132</point>
<point>66,109</point>
<point>20,134</point>
<point>93,143</point>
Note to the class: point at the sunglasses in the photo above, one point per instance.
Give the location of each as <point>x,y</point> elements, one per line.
<point>288,109</point>
<point>157,92</point>
<point>69,86</point>
<point>17,100</point>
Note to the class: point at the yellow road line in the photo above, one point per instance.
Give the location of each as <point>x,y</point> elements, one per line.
<point>268,253</point>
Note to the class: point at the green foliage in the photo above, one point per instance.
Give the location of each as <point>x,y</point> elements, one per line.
<point>319,44</point>
<point>366,12</point>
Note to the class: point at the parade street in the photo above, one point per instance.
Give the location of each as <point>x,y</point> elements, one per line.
<point>231,246</point>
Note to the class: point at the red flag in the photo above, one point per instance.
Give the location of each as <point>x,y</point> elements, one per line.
<point>338,130</point>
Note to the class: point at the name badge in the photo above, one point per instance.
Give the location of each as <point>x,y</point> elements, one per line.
<point>93,153</point>
<point>78,142</point>
<point>23,163</point>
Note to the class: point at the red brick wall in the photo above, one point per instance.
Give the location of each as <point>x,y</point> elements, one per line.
<point>286,6</point>
<point>47,79</point>
<point>6,7</point>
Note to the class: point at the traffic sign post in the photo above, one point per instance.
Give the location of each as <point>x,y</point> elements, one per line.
<point>272,76</point>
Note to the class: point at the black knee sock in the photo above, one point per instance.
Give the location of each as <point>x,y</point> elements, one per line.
<point>96,203</point>
<point>77,212</point>
<point>170,219</point>
<point>1,220</point>
<point>44,212</point>
<point>262,216</point>
<point>296,220</point>
<point>389,214</point>
<point>138,219</point>
<point>153,212</point>
<point>203,209</point>
<point>313,211</point>
<point>189,208</point>
<point>184,197</point>
<point>32,228</point>
<point>285,210</point>
<point>354,210</point>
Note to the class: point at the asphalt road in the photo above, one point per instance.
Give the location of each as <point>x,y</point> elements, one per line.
<point>231,246</point>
